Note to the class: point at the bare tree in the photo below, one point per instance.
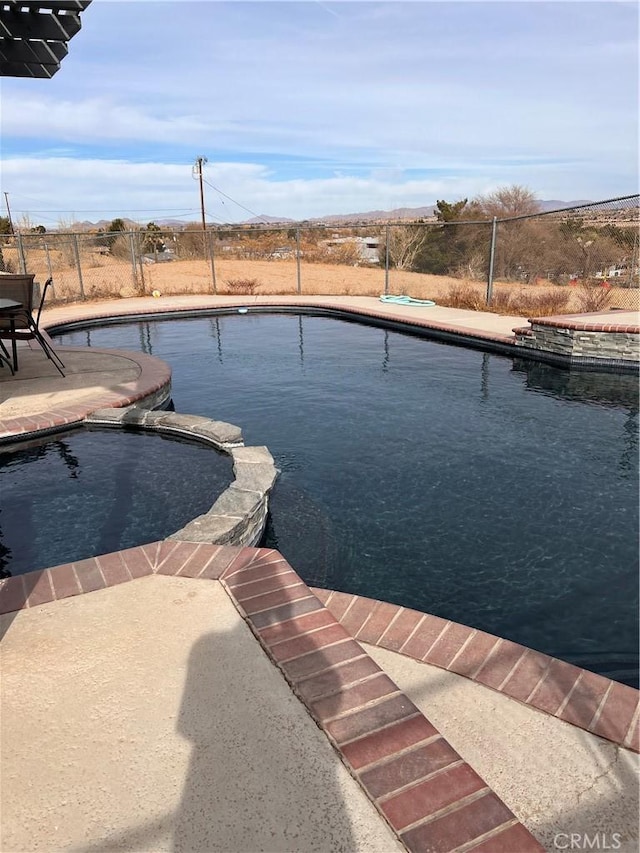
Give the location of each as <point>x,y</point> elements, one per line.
<point>504,202</point>
<point>405,243</point>
<point>518,247</point>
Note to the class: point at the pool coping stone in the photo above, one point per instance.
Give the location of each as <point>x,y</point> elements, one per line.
<point>606,708</point>
<point>238,515</point>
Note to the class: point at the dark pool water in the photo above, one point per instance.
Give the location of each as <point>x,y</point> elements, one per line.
<point>498,493</point>
<point>89,492</point>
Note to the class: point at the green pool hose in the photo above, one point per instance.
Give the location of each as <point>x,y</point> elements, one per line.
<point>407,300</point>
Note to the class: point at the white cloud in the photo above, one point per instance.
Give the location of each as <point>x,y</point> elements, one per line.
<point>63,188</point>
<point>336,109</point>
<point>93,119</point>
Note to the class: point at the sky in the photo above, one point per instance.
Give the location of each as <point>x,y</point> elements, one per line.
<point>305,109</point>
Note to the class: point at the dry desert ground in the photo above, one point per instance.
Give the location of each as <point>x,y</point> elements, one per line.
<point>105,277</point>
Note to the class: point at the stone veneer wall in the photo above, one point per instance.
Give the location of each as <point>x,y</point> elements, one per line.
<point>239,515</point>
<point>577,343</point>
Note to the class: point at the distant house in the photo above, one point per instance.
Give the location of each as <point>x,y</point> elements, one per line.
<point>368,247</point>
<point>281,252</point>
<point>613,272</point>
<point>158,257</point>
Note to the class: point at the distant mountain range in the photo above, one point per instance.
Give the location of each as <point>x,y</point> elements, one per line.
<point>409,213</point>
<point>398,213</point>
<point>367,216</point>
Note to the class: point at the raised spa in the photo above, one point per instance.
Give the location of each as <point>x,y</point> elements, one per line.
<point>88,492</point>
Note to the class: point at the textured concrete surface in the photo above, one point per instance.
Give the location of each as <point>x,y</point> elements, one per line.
<point>37,386</point>
<point>145,717</point>
<point>556,778</point>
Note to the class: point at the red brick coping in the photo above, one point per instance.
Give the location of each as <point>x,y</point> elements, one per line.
<point>424,789</point>
<point>154,375</point>
<point>587,700</point>
<point>427,793</point>
<point>581,323</point>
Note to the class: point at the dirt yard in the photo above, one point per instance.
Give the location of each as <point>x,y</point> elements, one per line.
<point>105,277</point>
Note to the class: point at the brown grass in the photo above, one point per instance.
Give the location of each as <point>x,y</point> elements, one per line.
<point>464,295</point>
<point>241,285</point>
<point>106,277</point>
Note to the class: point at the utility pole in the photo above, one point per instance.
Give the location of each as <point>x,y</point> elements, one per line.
<point>198,169</point>
<point>6,201</point>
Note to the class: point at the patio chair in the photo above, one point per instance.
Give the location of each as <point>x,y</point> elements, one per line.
<point>26,327</point>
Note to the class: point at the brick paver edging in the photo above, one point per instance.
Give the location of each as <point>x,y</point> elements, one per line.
<point>597,704</point>
<point>432,799</point>
<point>153,381</point>
<point>580,323</point>
<point>592,702</point>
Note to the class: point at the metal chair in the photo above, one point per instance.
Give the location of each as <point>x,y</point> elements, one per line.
<point>24,327</point>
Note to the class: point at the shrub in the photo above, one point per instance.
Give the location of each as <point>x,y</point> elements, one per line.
<point>464,296</point>
<point>242,285</point>
<point>502,302</point>
<point>593,296</point>
<point>347,254</point>
<point>190,245</point>
<point>121,248</point>
<point>8,265</point>
<point>542,304</point>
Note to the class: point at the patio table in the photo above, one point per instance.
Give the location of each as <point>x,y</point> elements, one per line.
<point>9,310</point>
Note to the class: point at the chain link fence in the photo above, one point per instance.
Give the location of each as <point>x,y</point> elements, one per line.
<point>589,252</point>
<point>565,261</point>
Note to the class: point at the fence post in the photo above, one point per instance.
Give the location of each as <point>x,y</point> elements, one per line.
<point>48,256</point>
<point>134,265</point>
<point>76,253</point>
<point>386,259</point>
<point>50,268</point>
<point>492,255</point>
<point>213,265</point>
<point>140,287</point>
<point>634,261</point>
<point>298,259</point>
<point>23,262</point>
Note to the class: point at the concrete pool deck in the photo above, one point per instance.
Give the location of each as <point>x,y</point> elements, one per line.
<point>191,697</point>
<point>240,727</point>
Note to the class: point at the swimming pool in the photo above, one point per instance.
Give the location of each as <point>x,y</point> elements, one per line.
<point>89,492</point>
<point>493,492</point>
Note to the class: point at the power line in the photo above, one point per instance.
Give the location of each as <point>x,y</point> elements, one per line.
<point>197,173</point>
<point>128,210</point>
<point>217,218</point>
<point>252,212</point>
